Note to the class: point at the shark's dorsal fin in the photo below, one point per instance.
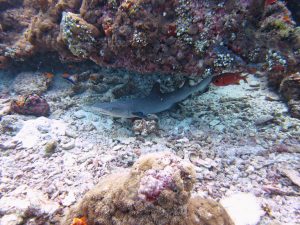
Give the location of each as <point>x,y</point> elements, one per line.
<point>186,84</point>
<point>155,89</point>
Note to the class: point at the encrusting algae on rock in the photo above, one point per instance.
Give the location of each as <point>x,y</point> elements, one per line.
<point>79,36</point>
<point>156,191</point>
<point>31,105</point>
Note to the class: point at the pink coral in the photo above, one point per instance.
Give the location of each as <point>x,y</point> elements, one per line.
<point>155,181</point>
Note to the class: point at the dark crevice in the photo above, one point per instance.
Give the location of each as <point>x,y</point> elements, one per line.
<point>294,7</point>
<point>4,5</point>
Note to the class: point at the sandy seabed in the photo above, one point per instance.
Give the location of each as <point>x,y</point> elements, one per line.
<point>239,137</point>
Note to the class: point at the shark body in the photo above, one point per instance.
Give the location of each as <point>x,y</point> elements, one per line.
<point>155,102</point>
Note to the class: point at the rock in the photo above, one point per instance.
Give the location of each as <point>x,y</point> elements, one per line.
<point>40,203</point>
<point>30,136</point>
<point>254,84</point>
<point>43,128</point>
<point>145,127</point>
<point>9,205</point>
<point>272,97</point>
<point>99,88</point>
<point>292,175</point>
<point>8,145</point>
<point>193,29</point>
<point>79,36</point>
<point>50,147</point>
<point>79,114</point>
<point>264,120</point>
<point>231,151</point>
<point>31,104</point>
<point>294,108</point>
<point>4,62</point>
<point>5,110</point>
<point>71,133</point>
<point>214,123</point>
<point>10,124</point>
<point>11,219</point>
<point>208,212</point>
<point>29,203</point>
<point>243,208</point>
<point>157,188</point>
<point>68,145</point>
<point>69,199</point>
<point>31,83</point>
<point>220,127</point>
<point>290,89</point>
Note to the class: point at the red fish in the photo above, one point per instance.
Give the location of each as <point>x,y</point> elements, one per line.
<point>269,2</point>
<point>225,79</point>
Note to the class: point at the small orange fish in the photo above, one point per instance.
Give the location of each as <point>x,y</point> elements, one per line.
<point>72,78</point>
<point>93,77</point>
<point>49,75</point>
<point>79,221</point>
<point>65,75</point>
<point>287,19</point>
<point>225,79</point>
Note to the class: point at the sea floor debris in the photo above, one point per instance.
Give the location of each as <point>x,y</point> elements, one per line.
<point>239,139</point>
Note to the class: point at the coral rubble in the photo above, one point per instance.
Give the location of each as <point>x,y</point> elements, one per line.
<point>145,127</point>
<point>156,190</point>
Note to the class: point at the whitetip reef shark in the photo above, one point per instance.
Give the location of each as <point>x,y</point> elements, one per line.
<point>155,102</point>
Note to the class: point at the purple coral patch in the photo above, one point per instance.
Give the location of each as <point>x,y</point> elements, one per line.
<point>155,181</point>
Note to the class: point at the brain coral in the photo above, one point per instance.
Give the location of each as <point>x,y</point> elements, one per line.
<point>156,190</point>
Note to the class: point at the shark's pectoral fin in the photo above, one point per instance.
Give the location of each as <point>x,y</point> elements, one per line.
<point>139,114</point>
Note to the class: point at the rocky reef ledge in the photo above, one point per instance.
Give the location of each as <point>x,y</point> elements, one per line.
<point>176,37</point>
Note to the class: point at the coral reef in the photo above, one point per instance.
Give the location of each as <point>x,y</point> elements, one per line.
<point>156,190</point>
<point>170,36</point>
<point>31,105</point>
<point>177,36</point>
<point>78,35</point>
